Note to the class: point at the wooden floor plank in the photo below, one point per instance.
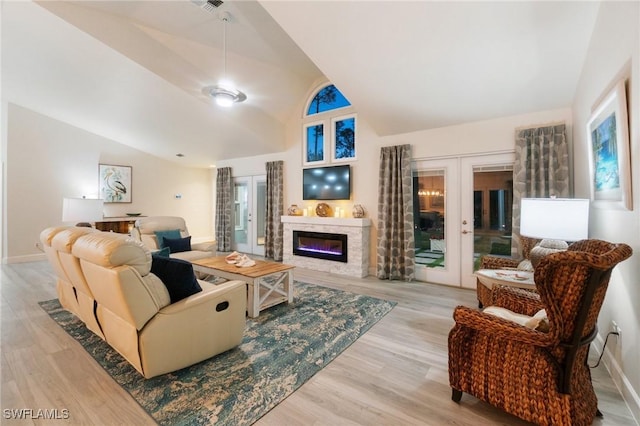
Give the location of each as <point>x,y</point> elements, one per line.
<point>395,374</point>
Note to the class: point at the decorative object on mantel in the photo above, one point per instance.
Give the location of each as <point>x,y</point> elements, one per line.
<point>323,210</point>
<point>133,214</point>
<point>294,210</point>
<point>358,211</point>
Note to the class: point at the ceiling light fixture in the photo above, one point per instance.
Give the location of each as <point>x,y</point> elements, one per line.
<point>224,93</point>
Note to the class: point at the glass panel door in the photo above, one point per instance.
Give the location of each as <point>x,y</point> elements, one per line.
<point>250,210</point>
<point>435,195</point>
<point>487,203</point>
<point>462,210</point>
<point>259,213</point>
<point>241,214</point>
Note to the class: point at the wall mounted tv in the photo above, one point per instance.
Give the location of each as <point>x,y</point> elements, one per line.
<point>326,183</point>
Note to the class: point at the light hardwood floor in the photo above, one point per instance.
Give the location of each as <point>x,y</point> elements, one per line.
<point>396,374</point>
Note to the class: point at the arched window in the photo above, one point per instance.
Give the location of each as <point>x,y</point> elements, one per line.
<point>327,99</point>
<point>326,110</point>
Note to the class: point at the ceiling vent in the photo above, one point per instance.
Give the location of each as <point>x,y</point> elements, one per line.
<point>208,5</point>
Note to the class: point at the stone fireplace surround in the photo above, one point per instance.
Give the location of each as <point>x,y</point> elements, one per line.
<point>358,239</point>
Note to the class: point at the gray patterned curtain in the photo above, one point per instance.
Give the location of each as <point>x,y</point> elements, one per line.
<point>224,201</point>
<point>541,169</point>
<point>396,245</point>
<point>275,201</point>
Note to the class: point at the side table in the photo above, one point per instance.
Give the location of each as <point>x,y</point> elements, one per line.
<point>489,278</point>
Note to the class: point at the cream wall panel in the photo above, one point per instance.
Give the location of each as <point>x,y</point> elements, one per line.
<point>614,53</point>
<point>48,160</point>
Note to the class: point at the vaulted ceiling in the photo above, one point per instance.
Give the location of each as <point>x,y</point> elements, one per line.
<point>133,71</point>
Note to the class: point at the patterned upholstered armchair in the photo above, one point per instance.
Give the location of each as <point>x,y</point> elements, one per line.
<point>539,376</point>
<point>497,262</point>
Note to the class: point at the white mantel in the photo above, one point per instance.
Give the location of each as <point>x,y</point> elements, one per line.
<point>358,237</point>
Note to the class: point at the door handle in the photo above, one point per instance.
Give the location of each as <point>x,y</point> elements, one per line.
<point>467,232</point>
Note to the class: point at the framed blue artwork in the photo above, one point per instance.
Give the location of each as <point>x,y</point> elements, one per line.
<point>609,162</point>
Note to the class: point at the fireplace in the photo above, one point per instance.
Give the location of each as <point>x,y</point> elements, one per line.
<point>320,245</point>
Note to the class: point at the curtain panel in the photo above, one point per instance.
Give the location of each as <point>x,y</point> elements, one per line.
<point>224,201</point>
<point>541,169</point>
<point>273,241</point>
<point>396,244</point>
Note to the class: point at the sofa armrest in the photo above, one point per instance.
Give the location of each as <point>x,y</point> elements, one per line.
<point>210,295</point>
<point>204,246</point>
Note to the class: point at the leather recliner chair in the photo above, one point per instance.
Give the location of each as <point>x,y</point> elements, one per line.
<point>145,228</point>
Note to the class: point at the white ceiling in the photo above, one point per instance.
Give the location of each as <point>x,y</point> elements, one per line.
<point>404,65</point>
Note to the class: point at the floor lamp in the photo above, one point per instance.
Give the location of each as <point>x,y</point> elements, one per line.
<point>82,210</point>
<point>555,221</point>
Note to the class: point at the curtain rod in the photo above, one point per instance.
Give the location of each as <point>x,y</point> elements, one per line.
<point>537,126</point>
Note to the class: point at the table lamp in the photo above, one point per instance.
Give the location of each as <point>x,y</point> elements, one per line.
<point>555,221</point>
<point>82,210</point>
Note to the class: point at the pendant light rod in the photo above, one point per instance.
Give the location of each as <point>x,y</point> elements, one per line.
<point>223,93</point>
<point>224,17</point>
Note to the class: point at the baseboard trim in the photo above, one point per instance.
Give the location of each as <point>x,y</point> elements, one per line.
<point>623,385</point>
<point>24,259</point>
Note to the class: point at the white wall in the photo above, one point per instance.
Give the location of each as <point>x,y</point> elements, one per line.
<point>48,160</point>
<point>465,139</point>
<point>614,53</point>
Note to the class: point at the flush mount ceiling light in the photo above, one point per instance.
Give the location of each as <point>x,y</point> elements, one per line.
<point>224,93</point>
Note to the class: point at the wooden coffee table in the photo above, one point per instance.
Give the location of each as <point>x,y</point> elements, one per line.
<point>261,293</point>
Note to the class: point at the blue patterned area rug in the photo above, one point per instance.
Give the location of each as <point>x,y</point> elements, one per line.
<point>282,348</point>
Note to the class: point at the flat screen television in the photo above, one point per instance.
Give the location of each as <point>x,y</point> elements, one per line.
<point>326,183</point>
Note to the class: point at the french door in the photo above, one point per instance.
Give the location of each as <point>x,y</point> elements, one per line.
<point>249,214</point>
<point>462,210</point>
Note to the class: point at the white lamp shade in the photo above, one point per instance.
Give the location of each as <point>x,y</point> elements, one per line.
<point>81,210</point>
<point>565,219</point>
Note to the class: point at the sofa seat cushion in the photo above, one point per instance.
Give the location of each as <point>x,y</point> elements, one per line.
<point>177,275</point>
<point>177,245</point>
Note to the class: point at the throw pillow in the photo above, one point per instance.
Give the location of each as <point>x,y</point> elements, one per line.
<point>177,275</point>
<point>525,265</point>
<point>163,252</point>
<point>537,322</point>
<point>170,233</point>
<point>177,245</point>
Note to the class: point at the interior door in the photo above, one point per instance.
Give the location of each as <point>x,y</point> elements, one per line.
<point>249,213</point>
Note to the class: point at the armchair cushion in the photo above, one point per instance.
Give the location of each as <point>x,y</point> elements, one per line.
<point>161,235</point>
<point>177,275</point>
<point>177,245</point>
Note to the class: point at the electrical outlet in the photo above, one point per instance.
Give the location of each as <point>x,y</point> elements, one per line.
<point>615,328</point>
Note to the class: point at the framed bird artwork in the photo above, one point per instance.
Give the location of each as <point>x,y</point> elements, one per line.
<point>115,183</point>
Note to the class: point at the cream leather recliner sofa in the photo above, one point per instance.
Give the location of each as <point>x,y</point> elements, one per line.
<point>145,230</point>
<point>131,306</point>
